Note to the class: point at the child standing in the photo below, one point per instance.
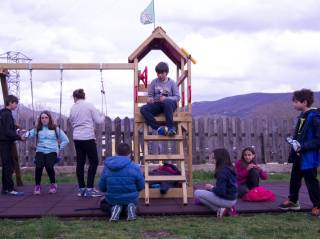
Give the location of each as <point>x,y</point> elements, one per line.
<point>48,136</point>
<point>8,136</point>
<point>121,180</point>
<point>248,172</point>
<point>304,154</point>
<point>223,196</point>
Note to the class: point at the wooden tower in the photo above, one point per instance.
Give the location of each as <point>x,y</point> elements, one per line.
<point>159,40</point>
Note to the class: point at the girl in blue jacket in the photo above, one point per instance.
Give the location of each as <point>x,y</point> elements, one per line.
<point>223,196</point>
<point>50,142</point>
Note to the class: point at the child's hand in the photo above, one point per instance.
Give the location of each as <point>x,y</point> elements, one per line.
<point>208,186</point>
<point>251,166</point>
<point>162,98</point>
<point>150,100</point>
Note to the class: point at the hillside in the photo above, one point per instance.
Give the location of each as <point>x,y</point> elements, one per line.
<point>249,105</point>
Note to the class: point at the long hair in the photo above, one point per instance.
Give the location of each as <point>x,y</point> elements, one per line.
<point>51,124</point>
<point>222,159</point>
<point>243,161</point>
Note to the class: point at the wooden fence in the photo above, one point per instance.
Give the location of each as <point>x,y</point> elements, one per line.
<point>267,136</point>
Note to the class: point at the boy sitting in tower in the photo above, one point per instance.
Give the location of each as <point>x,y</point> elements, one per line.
<point>163,96</point>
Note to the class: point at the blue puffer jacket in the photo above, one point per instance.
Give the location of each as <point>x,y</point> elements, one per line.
<point>309,138</point>
<point>121,180</point>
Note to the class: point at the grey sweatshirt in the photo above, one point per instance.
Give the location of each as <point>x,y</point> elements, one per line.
<point>167,88</point>
<point>82,117</point>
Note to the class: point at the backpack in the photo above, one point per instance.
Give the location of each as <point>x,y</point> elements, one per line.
<point>259,194</point>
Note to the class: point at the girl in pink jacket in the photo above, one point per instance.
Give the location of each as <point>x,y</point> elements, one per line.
<point>248,172</point>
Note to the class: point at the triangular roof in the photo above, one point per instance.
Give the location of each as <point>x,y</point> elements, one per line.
<point>159,40</point>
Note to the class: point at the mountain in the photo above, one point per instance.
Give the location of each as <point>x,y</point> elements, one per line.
<point>250,105</point>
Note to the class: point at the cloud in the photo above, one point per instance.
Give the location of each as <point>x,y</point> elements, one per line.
<point>241,46</point>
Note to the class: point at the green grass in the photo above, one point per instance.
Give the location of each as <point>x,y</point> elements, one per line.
<point>198,177</point>
<point>289,225</point>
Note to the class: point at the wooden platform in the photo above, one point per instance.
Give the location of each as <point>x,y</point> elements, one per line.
<point>66,204</point>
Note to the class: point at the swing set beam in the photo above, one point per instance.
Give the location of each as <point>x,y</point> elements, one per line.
<point>67,66</point>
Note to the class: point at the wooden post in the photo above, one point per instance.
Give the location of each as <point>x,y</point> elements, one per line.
<point>5,93</point>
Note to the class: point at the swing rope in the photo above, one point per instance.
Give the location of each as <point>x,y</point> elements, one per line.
<point>103,93</point>
<point>31,87</point>
<point>60,102</point>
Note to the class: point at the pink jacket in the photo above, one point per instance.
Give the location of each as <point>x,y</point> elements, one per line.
<point>242,173</point>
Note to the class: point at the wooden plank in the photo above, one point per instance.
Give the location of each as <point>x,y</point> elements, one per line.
<point>202,140</point>
<point>182,77</point>
<point>67,66</point>
<point>177,117</point>
<point>142,99</point>
<point>220,134</point>
<point>127,132</point>
<point>117,131</point>
<point>108,137</point>
<point>162,138</point>
<point>165,178</point>
<point>172,193</point>
<point>163,157</point>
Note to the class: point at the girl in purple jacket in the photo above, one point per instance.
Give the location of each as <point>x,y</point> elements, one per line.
<point>248,172</point>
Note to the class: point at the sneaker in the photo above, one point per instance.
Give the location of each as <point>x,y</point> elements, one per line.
<point>115,213</point>
<point>315,211</point>
<point>221,212</point>
<point>172,131</point>
<point>131,212</point>
<point>233,211</point>
<point>53,188</point>
<point>15,193</point>
<point>288,205</point>
<point>37,190</point>
<point>161,131</point>
<point>92,192</point>
<point>81,192</point>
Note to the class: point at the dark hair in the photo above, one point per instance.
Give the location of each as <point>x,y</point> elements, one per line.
<point>11,99</point>
<point>51,124</point>
<point>243,161</point>
<point>222,158</point>
<point>123,149</point>
<point>79,94</point>
<point>162,67</point>
<point>302,95</point>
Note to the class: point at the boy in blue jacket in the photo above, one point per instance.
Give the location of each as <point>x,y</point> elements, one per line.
<point>305,154</point>
<point>121,180</point>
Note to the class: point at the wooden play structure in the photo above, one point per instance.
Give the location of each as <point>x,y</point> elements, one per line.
<point>158,40</point>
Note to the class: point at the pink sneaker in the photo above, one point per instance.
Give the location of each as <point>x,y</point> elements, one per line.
<point>37,190</point>
<point>53,188</point>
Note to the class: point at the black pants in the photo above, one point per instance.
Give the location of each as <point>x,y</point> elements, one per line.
<point>252,181</point>
<point>148,111</point>
<point>6,155</point>
<point>86,148</point>
<point>312,183</point>
<point>45,161</point>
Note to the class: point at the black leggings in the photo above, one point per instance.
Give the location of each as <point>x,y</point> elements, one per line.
<point>252,181</point>
<point>45,161</point>
<point>86,148</point>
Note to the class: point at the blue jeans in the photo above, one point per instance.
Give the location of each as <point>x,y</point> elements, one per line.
<point>149,111</point>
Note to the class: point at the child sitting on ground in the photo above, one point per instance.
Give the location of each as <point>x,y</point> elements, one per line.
<point>121,180</point>
<point>223,196</point>
<point>248,172</point>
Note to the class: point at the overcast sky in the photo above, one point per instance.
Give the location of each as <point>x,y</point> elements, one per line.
<point>241,46</point>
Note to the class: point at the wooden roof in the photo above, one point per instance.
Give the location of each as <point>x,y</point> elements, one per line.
<point>159,40</point>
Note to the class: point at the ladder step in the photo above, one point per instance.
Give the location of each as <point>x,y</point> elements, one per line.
<point>177,116</point>
<point>163,178</point>
<point>162,138</point>
<point>163,157</point>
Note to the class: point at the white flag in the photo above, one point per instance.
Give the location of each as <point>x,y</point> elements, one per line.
<point>147,16</point>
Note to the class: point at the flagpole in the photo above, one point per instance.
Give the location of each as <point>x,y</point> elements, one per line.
<point>154,22</point>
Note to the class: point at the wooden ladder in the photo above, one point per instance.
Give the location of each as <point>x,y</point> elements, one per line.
<point>180,158</point>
